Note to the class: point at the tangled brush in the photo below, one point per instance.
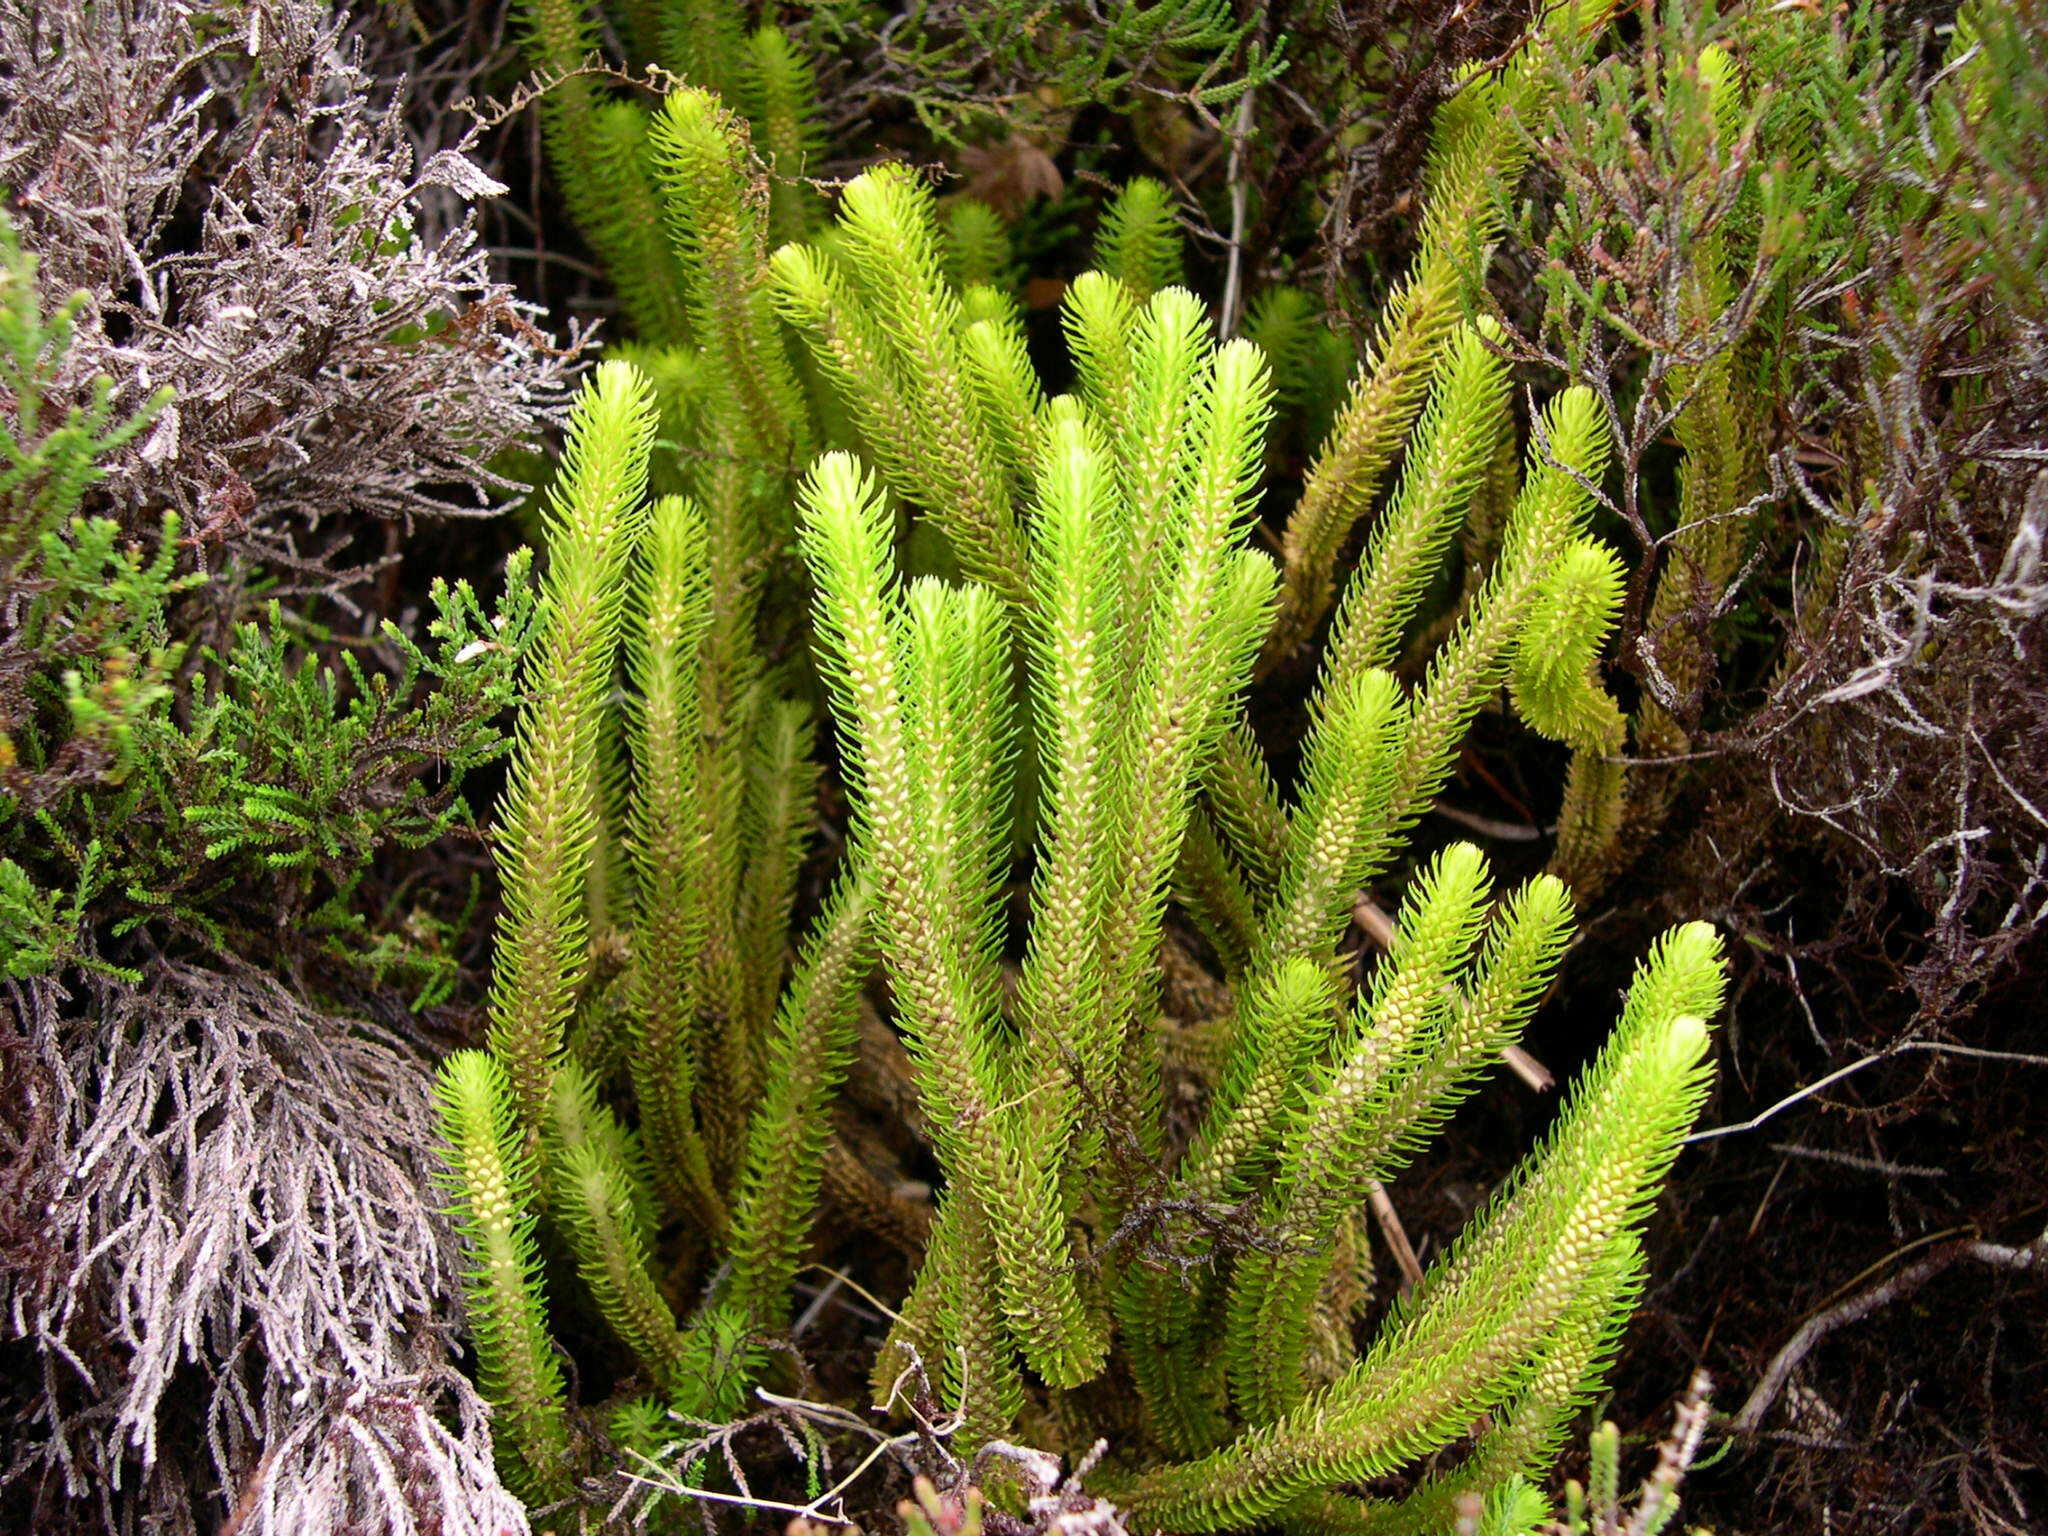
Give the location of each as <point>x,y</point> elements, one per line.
<point>252,228</point>
<point>244,1294</point>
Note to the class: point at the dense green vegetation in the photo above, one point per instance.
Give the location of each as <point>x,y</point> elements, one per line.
<point>968,801</point>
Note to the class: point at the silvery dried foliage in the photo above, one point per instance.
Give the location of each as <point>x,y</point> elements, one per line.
<point>255,230</point>
<point>248,1304</point>
<point>376,1458</point>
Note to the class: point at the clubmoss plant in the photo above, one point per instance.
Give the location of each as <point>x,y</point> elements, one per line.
<point>1477,153</point>
<point>1106,619</point>
<point>616,164</point>
<point>729,1086</point>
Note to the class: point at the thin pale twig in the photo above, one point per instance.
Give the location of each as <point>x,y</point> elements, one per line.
<point>1904,1046</point>
<point>1389,1223</point>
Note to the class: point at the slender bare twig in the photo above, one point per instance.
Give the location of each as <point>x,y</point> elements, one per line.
<point>2033,1256</point>
<point>1802,1343</point>
<point>1535,1076</point>
<point>1233,277</point>
<point>1902,1048</point>
<point>1389,1222</point>
<point>1866,1164</point>
<point>1489,826</point>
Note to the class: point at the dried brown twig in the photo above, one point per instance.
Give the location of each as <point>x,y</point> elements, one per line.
<point>1749,1419</point>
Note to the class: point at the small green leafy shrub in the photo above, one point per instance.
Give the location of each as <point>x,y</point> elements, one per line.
<point>253,785</point>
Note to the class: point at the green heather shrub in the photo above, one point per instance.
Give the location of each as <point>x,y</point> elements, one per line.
<point>269,791</point>
<point>1035,618</point>
<point>1797,256</point>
